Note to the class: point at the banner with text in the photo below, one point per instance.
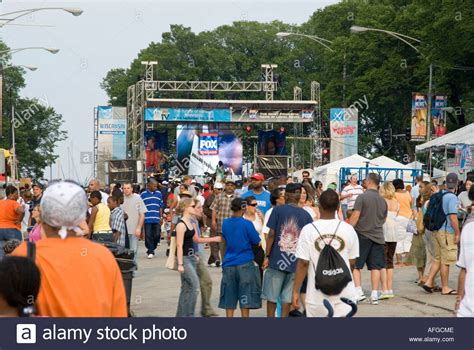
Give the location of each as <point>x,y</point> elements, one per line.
<point>344,132</point>
<point>112,130</point>
<point>228,115</point>
<point>419,113</point>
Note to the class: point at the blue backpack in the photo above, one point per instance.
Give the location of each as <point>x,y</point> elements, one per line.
<point>435,216</point>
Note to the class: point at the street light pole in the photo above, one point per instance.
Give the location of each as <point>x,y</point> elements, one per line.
<point>22,13</point>
<point>430,97</point>
<point>403,37</point>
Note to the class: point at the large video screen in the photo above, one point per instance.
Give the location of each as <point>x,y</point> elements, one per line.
<point>199,150</point>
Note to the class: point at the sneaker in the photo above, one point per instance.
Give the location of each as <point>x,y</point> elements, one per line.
<point>361,297</point>
<point>150,256</point>
<point>374,300</point>
<point>386,295</point>
<point>212,265</point>
<point>218,263</point>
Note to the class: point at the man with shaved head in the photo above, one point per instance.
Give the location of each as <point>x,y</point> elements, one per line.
<point>95,185</point>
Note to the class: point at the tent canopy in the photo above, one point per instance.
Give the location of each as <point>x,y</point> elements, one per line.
<point>330,172</point>
<point>463,136</point>
<point>386,162</point>
<point>354,161</point>
<point>437,173</point>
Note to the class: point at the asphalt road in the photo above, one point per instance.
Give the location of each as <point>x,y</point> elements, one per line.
<point>156,289</point>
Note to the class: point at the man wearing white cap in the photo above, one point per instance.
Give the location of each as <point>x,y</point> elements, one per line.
<point>79,278</point>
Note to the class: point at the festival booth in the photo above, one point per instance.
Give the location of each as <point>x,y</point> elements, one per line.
<point>330,172</point>
<point>454,150</point>
<point>437,173</point>
<point>387,168</point>
<point>396,169</point>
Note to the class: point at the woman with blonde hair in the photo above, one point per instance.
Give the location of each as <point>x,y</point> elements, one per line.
<point>390,229</point>
<point>186,235</point>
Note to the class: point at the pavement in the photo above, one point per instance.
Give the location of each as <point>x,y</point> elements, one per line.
<point>156,289</point>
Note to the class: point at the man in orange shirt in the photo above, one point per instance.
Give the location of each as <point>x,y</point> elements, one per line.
<point>11,214</point>
<point>79,278</point>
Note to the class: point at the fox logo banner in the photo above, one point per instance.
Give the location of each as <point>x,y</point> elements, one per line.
<point>208,144</point>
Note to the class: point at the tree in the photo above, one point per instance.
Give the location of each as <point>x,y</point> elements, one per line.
<point>371,66</point>
<point>37,126</point>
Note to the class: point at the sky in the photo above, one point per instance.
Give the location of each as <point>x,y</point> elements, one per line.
<point>109,34</point>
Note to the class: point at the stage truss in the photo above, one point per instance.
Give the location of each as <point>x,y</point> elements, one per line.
<point>144,90</point>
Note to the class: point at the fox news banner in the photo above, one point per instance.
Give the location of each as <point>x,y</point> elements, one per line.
<point>238,333</point>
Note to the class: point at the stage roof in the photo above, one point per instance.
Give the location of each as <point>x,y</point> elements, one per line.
<point>236,104</point>
<point>229,111</point>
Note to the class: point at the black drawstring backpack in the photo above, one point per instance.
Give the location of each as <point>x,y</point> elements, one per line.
<point>332,273</point>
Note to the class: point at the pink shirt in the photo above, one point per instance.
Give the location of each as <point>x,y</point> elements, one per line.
<point>35,234</point>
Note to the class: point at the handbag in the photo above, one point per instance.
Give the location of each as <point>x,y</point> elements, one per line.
<point>420,226</point>
<point>172,261</point>
<point>412,227</point>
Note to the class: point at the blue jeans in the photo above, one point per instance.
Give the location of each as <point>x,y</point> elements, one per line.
<point>189,288</point>
<point>7,234</point>
<point>152,237</point>
<point>344,211</point>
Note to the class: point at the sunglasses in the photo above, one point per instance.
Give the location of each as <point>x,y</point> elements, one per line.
<point>218,189</point>
<point>253,204</point>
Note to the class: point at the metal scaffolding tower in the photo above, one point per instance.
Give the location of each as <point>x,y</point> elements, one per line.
<point>140,92</point>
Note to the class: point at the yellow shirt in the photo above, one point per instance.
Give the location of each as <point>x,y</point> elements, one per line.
<point>102,218</point>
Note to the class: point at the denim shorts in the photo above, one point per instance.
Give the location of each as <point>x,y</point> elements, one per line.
<point>278,283</point>
<point>240,284</point>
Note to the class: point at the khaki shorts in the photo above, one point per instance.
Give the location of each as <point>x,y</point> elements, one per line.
<point>445,248</point>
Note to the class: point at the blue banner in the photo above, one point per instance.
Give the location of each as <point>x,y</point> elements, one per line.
<point>112,130</point>
<point>188,115</point>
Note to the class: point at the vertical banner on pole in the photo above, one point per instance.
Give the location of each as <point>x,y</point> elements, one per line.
<point>438,115</point>
<point>419,113</point>
<point>344,132</point>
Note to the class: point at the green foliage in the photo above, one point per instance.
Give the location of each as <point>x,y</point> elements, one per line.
<point>37,130</point>
<point>372,66</point>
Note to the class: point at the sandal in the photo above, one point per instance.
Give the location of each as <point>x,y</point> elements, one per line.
<point>451,292</point>
<point>427,288</point>
<point>437,289</point>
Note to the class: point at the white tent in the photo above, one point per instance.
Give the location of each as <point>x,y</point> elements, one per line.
<point>330,172</point>
<point>386,162</point>
<point>389,163</point>
<point>463,136</point>
<point>437,173</point>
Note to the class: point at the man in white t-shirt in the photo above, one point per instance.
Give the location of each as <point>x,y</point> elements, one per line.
<point>465,298</point>
<point>350,193</point>
<point>310,245</point>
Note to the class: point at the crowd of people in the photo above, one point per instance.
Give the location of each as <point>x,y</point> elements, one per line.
<point>267,236</point>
